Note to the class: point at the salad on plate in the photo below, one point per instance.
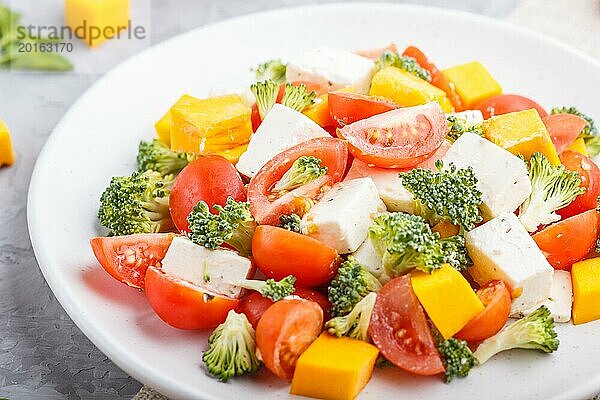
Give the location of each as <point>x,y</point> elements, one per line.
<point>353,210</point>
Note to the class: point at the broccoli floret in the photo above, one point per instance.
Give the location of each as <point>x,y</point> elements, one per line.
<point>455,252</point>
<point>304,170</point>
<point>409,64</point>
<point>457,126</point>
<point>552,188</point>
<point>535,331</point>
<point>291,222</point>
<point>156,156</point>
<point>589,130</point>
<point>232,348</point>
<point>233,225</point>
<point>273,70</point>
<point>457,358</point>
<point>449,194</point>
<point>272,289</point>
<point>297,97</point>
<point>265,94</point>
<point>354,325</point>
<point>136,204</point>
<point>405,242</point>
<point>350,285</point>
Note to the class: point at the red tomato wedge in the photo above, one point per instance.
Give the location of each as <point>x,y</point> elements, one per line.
<point>400,331</point>
<point>400,138</point>
<point>374,54</point>
<point>438,79</point>
<point>569,241</point>
<point>507,103</point>
<point>278,253</point>
<point>183,305</point>
<point>563,129</point>
<point>267,207</point>
<point>126,258</point>
<point>496,298</point>
<point>254,304</point>
<point>285,330</point>
<point>589,173</point>
<point>346,108</point>
<point>211,179</point>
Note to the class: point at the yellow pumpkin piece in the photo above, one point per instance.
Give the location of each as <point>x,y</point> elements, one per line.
<point>197,124</point>
<point>521,133</point>
<point>7,154</point>
<point>472,82</point>
<point>406,89</point>
<point>109,16</point>
<point>319,112</point>
<point>233,155</point>
<point>334,368</point>
<point>586,290</point>
<point>447,298</point>
<point>579,146</point>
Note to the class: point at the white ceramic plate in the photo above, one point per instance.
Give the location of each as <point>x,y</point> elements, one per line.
<point>98,138</point>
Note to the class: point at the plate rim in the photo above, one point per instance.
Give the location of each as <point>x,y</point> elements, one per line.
<point>132,366</point>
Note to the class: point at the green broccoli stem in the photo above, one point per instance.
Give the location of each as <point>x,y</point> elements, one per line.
<point>297,97</point>
<point>266,96</point>
<point>241,238</point>
<point>535,331</point>
<point>272,289</point>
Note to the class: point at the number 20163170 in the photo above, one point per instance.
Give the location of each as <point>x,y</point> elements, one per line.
<point>58,47</point>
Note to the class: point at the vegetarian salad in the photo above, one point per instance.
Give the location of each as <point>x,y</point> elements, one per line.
<point>361,209</point>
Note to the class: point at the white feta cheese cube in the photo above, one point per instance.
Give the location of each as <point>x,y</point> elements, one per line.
<point>210,270</point>
<point>281,129</point>
<point>471,116</point>
<point>341,219</point>
<point>332,69</point>
<point>502,177</point>
<point>388,184</point>
<point>560,300</point>
<point>502,249</point>
<point>368,257</point>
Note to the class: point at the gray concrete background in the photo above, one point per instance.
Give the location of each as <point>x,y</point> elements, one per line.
<point>43,355</point>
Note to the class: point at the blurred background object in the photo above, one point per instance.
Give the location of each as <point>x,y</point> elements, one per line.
<point>43,355</point>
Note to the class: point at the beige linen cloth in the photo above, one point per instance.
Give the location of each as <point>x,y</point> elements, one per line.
<point>574,22</point>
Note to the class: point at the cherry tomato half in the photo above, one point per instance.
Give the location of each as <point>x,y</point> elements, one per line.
<point>400,138</point>
<point>400,331</point>
<point>126,258</point>
<point>563,129</point>
<point>496,298</point>
<point>182,305</point>
<point>346,108</point>
<point>267,207</point>
<point>285,330</point>
<point>278,253</point>
<point>570,240</point>
<point>589,173</point>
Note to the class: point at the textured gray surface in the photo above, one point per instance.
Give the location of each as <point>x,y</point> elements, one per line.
<point>43,355</point>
